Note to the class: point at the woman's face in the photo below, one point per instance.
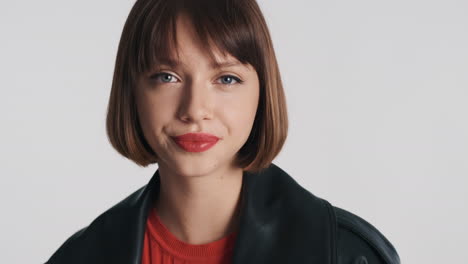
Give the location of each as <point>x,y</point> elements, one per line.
<point>193,97</point>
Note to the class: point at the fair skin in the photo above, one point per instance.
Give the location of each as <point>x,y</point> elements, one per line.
<point>200,191</point>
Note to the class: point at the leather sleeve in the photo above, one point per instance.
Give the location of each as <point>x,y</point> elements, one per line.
<point>359,242</point>
<point>64,249</point>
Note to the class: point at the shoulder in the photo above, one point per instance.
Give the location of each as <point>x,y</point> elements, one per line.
<point>356,241</point>
<point>90,243</point>
<point>359,242</point>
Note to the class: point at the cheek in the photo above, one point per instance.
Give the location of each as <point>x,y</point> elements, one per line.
<point>240,113</point>
<point>154,112</point>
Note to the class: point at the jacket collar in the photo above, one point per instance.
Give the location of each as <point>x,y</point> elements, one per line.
<point>280,222</point>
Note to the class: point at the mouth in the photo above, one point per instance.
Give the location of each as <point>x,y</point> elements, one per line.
<point>196,142</point>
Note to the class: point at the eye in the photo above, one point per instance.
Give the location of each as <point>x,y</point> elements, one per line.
<point>164,77</point>
<point>228,79</point>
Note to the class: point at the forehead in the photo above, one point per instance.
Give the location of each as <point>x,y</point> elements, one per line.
<point>188,45</point>
<point>186,37</point>
<point>214,64</point>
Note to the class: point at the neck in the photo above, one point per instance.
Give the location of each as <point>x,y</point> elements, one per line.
<point>199,210</point>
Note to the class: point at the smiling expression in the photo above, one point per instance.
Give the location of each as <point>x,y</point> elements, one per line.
<point>193,94</point>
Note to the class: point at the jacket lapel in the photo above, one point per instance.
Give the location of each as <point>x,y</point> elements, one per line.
<point>281,222</point>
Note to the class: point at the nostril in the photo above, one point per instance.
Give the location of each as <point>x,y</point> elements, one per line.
<point>360,260</point>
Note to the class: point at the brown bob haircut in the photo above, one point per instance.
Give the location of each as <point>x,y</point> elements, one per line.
<point>233,26</point>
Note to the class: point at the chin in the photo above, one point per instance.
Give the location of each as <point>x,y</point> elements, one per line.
<point>192,166</point>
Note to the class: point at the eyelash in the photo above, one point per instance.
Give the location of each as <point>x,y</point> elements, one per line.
<point>157,75</point>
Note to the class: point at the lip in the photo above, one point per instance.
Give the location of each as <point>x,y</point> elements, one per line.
<point>196,142</point>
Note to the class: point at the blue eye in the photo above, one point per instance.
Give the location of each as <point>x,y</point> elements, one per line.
<point>167,77</point>
<point>229,79</point>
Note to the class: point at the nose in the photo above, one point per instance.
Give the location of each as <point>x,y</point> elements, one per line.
<point>196,102</point>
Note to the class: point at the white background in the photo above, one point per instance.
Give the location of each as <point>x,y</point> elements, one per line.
<point>377,94</point>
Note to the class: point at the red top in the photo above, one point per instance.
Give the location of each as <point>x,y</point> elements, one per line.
<point>160,246</point>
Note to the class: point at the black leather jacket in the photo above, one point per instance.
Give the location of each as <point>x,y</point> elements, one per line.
<point>280,222</point>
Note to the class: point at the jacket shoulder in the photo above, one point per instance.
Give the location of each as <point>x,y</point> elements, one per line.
<point>90,243</point>
<point>359,242</point>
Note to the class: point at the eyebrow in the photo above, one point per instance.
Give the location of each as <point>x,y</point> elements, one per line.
<point>213,65</point>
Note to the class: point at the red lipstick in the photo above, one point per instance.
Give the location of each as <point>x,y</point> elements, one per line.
<point>196,142</point>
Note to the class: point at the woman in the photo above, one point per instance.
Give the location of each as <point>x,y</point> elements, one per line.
<point>197,90</point>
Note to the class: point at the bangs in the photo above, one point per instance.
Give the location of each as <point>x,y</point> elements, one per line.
<point>219,25</point>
